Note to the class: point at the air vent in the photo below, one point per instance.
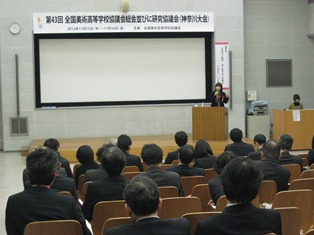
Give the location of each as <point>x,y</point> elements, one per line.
<point>19,126</point>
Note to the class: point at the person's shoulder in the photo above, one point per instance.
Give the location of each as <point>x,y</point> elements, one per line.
<point>183,222</point>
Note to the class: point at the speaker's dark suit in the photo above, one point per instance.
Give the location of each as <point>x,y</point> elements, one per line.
<point>132,160</point>
<point>186,170</point>
<point>153,226</point>
<point>215,187</point>
<point>272,170</point>
<point>107,189</point>
<point>240,148</point>
<point>241,219</point>
<point>164,178</point>
<point>39,204</point>
<point>287,158</point>
<point>171,156</point>
<point>205,162</point>
<point>83,168</point>
<point>95,174</point>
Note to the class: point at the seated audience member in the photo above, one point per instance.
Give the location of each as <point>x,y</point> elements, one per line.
<point>181,139</point>
<point>85,156</point>
<point>186,156</point>
<point>124,143</point>
<point>142,204</point>
<point>241,180</point>
<point>152,158</point>
<point>106,189</point>
<point>285,143</point>
<point>271,168</point>
<point>259,141</point>
<point>215,187</point>
<point>204,155</point>
<point>310,156</point>
<point>39,203</point>
<point>239,147</point>
<point>55,145</point>
<point>296,102</point>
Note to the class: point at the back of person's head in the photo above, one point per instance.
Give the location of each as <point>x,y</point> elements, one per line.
<point>42,165</point>
<point>101,150</point>
<point>236,135</point>
<point>223,160</point>
<point>113,161</point>
<point>271,150</point>
<point>52,144</point>
<point>124,142</point>
<point>260,139</point>
<point>186,154</point>
<point>296,97</point>
<point>285,142</point>
<point>181,138</point>
<point>85,154</point>
<point>142,195</point>
<point>151,154</point>
<point>202,149</point>
<point>241,179</point>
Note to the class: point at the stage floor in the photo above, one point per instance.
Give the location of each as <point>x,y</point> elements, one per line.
<point>69,146</point>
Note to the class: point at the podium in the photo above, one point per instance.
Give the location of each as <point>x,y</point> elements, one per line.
<point>210,123</point>
<point>301,131</point>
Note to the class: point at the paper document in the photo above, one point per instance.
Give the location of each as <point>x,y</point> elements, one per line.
<point>296,115</point>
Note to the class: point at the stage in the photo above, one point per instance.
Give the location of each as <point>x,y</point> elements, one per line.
<point>69,146</point>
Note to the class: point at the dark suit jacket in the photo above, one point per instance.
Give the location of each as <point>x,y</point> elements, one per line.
<point>171,156</point>
<point>310,157</point>
<point>154,226</point>
<point>272,170</point>
<point>221,101</point>
<point>205,162</point>
<point>107,189</point>
<point>286,158</point>
<point>241,219</point>
<point>164,178</point>
<point>216,189</point>
<point>66,165</point>
<point>132,160</point>
<point>95,174</point>
<point>240,148</point>
<point>255,155</point>
<point>39,204</point>
<point>186,170</point>
<point>83,168</point>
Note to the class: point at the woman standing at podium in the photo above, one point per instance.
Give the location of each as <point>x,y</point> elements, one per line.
<point>218,98</point>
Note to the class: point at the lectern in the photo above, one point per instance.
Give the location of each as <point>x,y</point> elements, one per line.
<point>210,123</point>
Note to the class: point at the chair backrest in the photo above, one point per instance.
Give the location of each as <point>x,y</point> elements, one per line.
<point>175,207</point>
<point>202,192</point>
<point>175,162</point>
<point>267,191</point>
<point>84,189</point>
<point>256,202</point>
<point>165,166</point>
<point>54,227</point>
<point>221,203</point>
<point>130,169</point>
<point>307,174</point>
<point>112,222</point>
<point>195,217</point>
<point>302,199</point>
<point>75,167</point>
<point>80,183</point>
<point>188,183</point>
<point>65,193</point>
<point>305,183</point>
<point>210,173</point>
<point>290,220</point>
<point>129,175</point>
<point>305,161</point>
<point>168,191</point>
<point>312,166</point>
<point>310,232</point>
<point>106,210</point>
<point>295,171</point>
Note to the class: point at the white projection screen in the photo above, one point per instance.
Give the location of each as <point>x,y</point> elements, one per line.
<point>86,71</point>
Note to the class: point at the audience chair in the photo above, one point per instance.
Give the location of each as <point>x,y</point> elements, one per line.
<point>221,203</point>
<point>175,207</point>
<point>307,174</point>
<point>168,191</point>
<point>210,173</point>
<point>312,166</point>
<point>112,222</point>
<point>305,162</point>
<point>267,191</point>
<point>80,183</point>
<point>195,217</point>
<point>302,199</point>
<point>129,175</point>
<point>54,227</point>
<point>256,202</point>
<point>188,183</point>
<point>290,220</point>
<point>84,189</point>
<point>65,193</point>
<point>106,210</point>
<point>74,168</point>
<point>165,166</point>
<point>310,232</point>
<point>202,192</point>
<point>175,162</point>
<point>130,169</point>
<point>295,171</point>
<point>305,183</point>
